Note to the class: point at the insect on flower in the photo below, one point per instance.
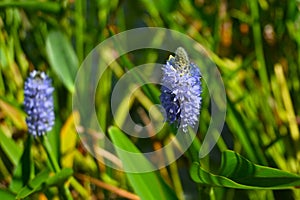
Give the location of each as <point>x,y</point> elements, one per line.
<point>181,90</point>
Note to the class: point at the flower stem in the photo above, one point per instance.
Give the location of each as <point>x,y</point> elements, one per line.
<point>64,190</point>
<point>78,187</point>
<point>50,154</point>
<point>193,149</point>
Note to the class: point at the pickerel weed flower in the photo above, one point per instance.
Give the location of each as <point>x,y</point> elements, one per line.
<point>181,90</point>
<point>38,103</point>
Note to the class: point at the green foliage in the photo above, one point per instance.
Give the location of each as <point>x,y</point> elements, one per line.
<point>238,172</point>
<point>139,181</point>
<point>43,180</point>
<point>10,148</point>
<point>255,45</point>
<point>24,168</point>
<point>5,194</point>
<point>62,58</point>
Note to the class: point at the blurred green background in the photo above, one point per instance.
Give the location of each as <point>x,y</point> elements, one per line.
<point>254,43</point>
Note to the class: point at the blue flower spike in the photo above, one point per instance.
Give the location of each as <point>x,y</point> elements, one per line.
<point>181,90</point>
<point>38,103</point>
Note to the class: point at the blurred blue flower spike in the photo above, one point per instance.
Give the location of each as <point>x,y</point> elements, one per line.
<point>38,103</point>
<point>181,90</point>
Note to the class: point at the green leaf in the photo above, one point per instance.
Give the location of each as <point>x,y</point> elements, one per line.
<point>238,172</point>
<point>59,178</point>
<point>34,185</point>
<point>62,58</point>
<point>43,180</point>
<point>148,185</point>
<point>7,195</point>
<point>24,169</point>
<point>11,149</point>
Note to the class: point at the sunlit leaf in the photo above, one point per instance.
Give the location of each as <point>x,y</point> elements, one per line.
<point>238,172</point>
<point>62,58</point>
<point>148,185</point>
<point>14,113</point>
<point>68,137</point>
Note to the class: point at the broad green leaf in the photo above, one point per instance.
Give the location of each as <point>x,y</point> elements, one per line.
<point>43,180</point>
<point>7,195</point>
<point>62,58</point>
<point>148,185</point>
<point>238,172</point>
<point>11,149</point>
<point>34,185</point>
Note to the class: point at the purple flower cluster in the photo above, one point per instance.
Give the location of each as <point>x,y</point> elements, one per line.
<point>181,90</point>
<point>38,103</point>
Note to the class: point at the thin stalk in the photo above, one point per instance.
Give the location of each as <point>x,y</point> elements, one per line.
<point>262,70</point>
<point>79,31</point>
<point>78,187</point>
<point>194,147</point>
<point>106,186</point>
<point>288,104</point>
<point>46,144</point>
<point>49,151</point>
<point>175,176</point>
<point>33,5</point>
